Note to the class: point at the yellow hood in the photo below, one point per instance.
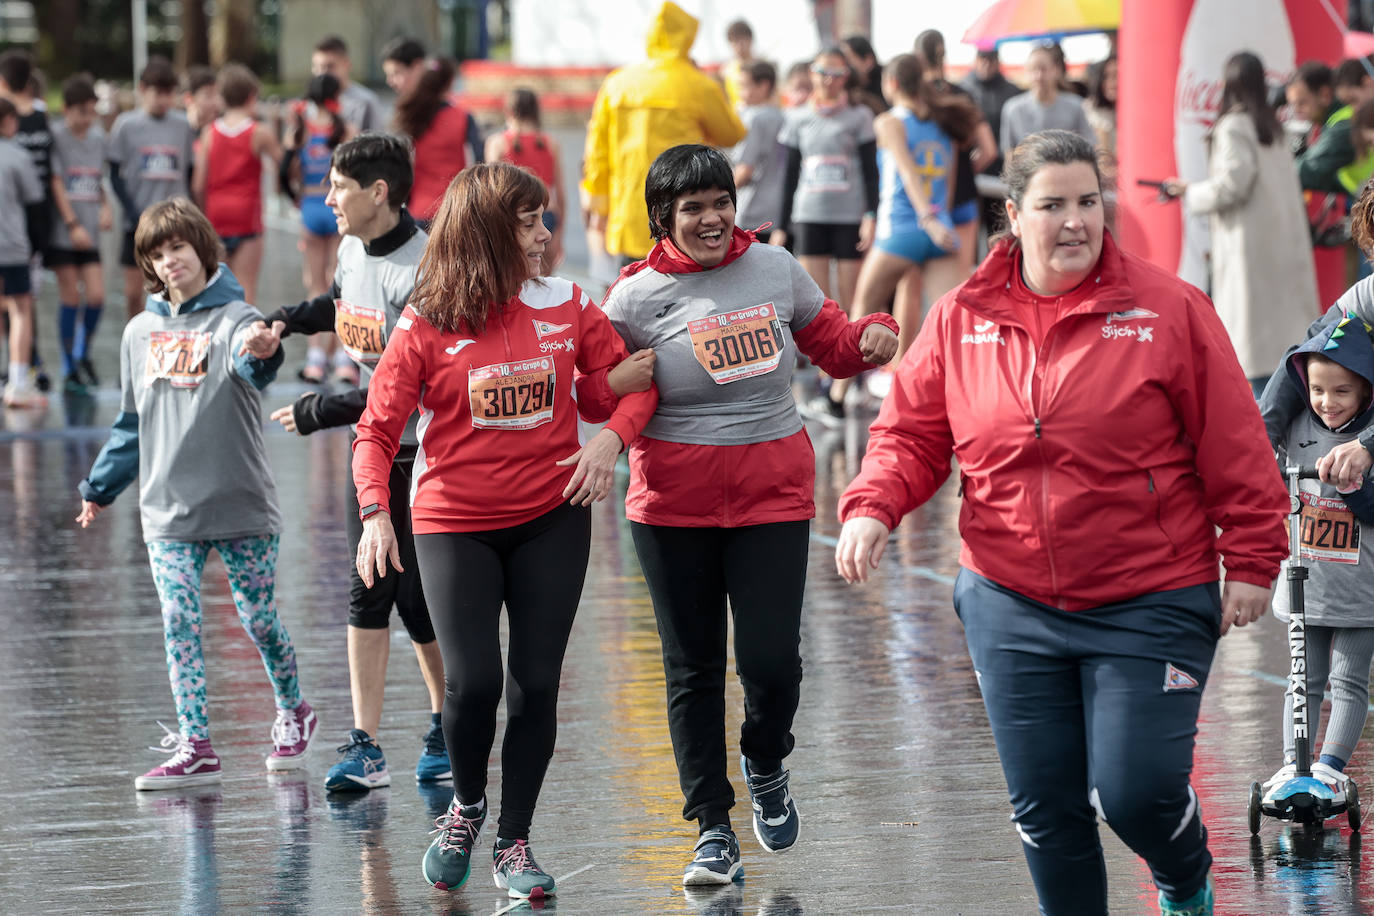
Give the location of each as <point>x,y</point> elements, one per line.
<point>672,32</point>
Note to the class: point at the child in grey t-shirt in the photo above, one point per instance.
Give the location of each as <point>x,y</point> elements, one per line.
<point>19,187</point>
<point>150,161</point>
<point>759,159</point>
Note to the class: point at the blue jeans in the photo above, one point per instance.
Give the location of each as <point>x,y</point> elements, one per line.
<point>1094,714</point>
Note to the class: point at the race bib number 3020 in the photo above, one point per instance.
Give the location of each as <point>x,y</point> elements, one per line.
<point>1330,531</point>
<point>515,395</point>
<point>737,345</point>
<point>180,357</point>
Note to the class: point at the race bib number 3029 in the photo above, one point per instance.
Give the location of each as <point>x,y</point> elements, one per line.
<point>738,345</point>
<point>361,330</point>
<point>180,357</point>
<point>1330,531</point>
<point>515,395</point>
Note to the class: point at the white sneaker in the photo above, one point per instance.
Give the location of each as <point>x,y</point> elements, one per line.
<point>1333,779</point>
<point>1286,772</point>
<point>23,397</point>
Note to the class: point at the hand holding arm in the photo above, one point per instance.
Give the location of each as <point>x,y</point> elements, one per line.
<point>634,373</point>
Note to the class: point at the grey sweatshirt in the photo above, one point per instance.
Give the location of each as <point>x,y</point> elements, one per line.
<point>190,426</point>
<point>723,345</point>
<point>19,186</point>
<point>79,163</point>
<point>153,156</point>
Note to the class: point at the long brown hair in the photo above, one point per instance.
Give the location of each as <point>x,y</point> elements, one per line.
<point>473,262</point>
<point>1362,220</point>
<point>417,109</point>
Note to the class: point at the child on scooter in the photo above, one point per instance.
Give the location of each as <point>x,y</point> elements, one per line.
<point>1335,373</point>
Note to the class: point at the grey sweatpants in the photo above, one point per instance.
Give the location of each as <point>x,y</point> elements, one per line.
<point>1341,654</point>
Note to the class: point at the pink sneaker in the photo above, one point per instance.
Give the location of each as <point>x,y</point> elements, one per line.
<point>291,735</point>
<point>193,763</point>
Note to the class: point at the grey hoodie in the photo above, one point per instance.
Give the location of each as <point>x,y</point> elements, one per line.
<point>190,426</point>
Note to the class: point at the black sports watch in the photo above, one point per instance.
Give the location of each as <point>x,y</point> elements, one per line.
<point>366,512</point>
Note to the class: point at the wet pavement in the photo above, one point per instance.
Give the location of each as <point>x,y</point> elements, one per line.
<point>903,805</point>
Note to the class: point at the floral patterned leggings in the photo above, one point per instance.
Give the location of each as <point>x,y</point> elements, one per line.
<point>252,566</point>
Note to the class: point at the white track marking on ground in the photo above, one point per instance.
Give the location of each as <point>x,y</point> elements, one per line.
<point>522,902</point>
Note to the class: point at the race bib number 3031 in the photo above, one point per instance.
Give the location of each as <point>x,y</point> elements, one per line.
<point>515,395</point>
<point>180,357</point>
<point>1330,531</point>
<point>737,345</point>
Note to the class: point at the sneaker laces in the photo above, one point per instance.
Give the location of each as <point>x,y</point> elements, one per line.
<point>353,750</point>
<point>176,744</point>
<point>286,731</point>
<point>515,859</point>
<point>454,829</point>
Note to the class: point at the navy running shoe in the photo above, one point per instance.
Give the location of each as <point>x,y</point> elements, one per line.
<point>776,823</point>
<point>715,858</point>
<point>433,764</point>
<point>363,766</point>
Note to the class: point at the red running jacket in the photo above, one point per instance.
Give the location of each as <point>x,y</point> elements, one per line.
<point>1098,467</point>
<point>497,409</point>
<point>728,486</point>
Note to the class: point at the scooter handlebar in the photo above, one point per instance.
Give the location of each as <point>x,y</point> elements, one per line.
<point>1303,472</point>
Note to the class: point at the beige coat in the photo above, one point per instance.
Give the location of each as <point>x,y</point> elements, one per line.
<point>1263,281</point>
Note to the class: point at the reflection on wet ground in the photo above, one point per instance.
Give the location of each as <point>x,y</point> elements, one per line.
<point>902,800</point>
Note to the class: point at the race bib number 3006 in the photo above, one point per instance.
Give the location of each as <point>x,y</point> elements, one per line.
<point>180,357</point>
<point>1330,531</point>
<point>737,345</point>
<point>515,395</point>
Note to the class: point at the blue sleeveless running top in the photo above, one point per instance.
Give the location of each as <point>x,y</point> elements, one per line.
<point>315,156</point>
<point>932,149</point>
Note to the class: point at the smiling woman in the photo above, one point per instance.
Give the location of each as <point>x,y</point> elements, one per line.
<point>1101,443</point>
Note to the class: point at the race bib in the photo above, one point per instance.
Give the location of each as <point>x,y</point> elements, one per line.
<point>83,185</point>
<point>512,395</point>
<point>826,173</point>
<point>736,345</point>
<point>361,330</point>
<point>1330,531</point>
<point>180,357</point>
<point>159,163</point>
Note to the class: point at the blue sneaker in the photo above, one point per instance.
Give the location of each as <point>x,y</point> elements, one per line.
<point>1200,904</point>
<point>448,861</point>
<point>363,766</point>
<point>776,823</point>
<point>715,858</point>
<point>433,764</point>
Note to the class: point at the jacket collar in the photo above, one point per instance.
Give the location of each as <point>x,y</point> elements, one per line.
<point>393,238</point>
<point>667,258</point>
<point>222,289</point>
<point>996,287</point>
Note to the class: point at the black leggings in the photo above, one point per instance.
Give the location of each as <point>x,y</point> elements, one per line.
<point>691,572</point>
<point>536,570</point>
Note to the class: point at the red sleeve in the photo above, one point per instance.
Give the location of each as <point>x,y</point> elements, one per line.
<point>595,399</point>
<point>392,396</point>
<point>910,444</point>
<point>831,340</point>
<point>600,348</point>
<point>1243,493</point>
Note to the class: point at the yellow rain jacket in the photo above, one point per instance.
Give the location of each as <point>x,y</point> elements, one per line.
<point>641,111</point>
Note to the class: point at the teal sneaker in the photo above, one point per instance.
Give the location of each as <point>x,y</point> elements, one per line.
<point>363,765</point>
<point>433,764</point>
<point>449,858</point>
<point>1200,904</point>
<point>514,870</point>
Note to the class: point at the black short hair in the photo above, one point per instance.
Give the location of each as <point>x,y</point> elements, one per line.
<point>16,69</point>
<point>78,90</point>
<point>158,74</point>
<point>761,71</point>
<point>198,76</point>
<point>403,51</point>
<point>1350,72</point>
<point>332,44</point>
<point>376,156</point>
<point>1313,74</point>
<point>682,170</point>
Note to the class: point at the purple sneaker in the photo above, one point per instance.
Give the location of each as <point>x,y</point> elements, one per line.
<point>291,735</point>
<point>193,763</point>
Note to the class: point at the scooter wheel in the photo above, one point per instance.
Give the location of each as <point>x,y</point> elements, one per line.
<point>1352,806</point>
<point>1254,809</point>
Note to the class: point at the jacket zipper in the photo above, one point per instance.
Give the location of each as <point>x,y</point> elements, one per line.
<point>1044,463</point>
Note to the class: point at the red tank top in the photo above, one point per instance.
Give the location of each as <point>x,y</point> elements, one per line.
<point>440,153</point>
<point>530,151</point>
<point>233,185</point>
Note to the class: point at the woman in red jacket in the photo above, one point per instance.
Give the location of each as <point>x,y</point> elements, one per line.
<point>721,491</point>
<point>1104,431</point>
<point>486,350</point>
